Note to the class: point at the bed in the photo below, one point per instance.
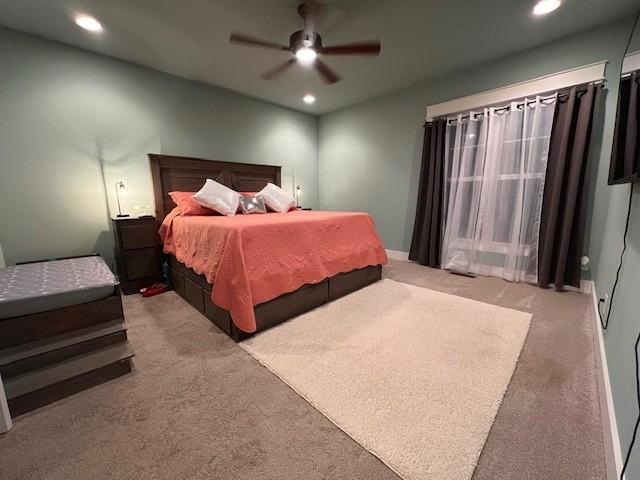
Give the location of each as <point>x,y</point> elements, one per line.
<point>299,274</point>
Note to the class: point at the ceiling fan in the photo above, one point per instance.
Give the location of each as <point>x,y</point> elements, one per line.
<point>306,45</point>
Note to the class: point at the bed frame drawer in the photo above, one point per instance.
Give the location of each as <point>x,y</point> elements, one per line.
<point>195,289</point>
<point>188,273</point>
<point>177,282</point>
<point>189,290</point>
<point>290,305</point>
<point>198,296</point>
<point>218,316</point>
<point>345,283</point>
<point>193,294</point>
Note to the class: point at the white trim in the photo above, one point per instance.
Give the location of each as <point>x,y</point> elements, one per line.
<point>607,409</point>
<point>631,63</point>
<point>5,416</point>
<point>567,78</point>
<point>585,287</point>
<point>398,255</point>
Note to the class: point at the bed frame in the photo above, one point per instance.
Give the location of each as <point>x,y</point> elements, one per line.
<point>171,173</point>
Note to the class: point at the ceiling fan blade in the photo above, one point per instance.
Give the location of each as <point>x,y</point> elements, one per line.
<point>357,48</point>
<point>327,74</point>
<point>242,39</point>
<point>274,72</point>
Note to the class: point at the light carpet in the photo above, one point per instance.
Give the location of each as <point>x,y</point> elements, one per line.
<point>413,375</point>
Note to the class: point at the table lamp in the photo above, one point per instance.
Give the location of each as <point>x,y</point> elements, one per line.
<point>121,189</point>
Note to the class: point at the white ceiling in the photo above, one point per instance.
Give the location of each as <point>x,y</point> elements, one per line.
<point>421,39</point>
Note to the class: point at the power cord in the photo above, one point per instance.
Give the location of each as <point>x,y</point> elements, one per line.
<point>635,429</point>
<point>605,323</point>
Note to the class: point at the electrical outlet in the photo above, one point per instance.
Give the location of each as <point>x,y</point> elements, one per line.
<point>604,300</point>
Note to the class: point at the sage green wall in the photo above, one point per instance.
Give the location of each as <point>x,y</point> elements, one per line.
<point>370,160</point>
<point>370,153</point>
<point>64,112</point>
<point>624,326</point>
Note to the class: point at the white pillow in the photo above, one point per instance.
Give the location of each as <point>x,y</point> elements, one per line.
<point>276,198</point>
<point>217,197</point>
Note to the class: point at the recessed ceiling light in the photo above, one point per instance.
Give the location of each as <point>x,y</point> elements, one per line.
<point>546,6</point>
<point>88,23</point>
<point>306,54</point>
<point>308,98</point>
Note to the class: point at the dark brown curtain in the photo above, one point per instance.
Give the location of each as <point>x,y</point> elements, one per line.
<point>427,229</point>
<point>624,156</point>
<point>562,225</point>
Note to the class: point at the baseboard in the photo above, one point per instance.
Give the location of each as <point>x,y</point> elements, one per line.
<point>586,286</point>
<point>613,453</point>
<point>398,255</point>
<point>5,416</point>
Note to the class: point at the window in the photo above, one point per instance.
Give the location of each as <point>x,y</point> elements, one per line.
<point>495,169</point>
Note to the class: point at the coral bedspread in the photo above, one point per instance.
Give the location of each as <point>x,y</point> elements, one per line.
<point>251,259</point>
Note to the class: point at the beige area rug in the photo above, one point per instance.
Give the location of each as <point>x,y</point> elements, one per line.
<point>414,375</point>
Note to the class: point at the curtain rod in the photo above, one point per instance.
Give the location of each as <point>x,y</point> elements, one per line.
<point>563,92</point>
<point>627,75</point>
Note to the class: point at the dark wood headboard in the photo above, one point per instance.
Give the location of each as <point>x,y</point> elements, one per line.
<point>170,173</point>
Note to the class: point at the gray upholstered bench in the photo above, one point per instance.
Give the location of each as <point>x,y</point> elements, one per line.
<point>61,330</point>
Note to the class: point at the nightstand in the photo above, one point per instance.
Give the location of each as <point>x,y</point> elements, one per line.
<point>137,252</point>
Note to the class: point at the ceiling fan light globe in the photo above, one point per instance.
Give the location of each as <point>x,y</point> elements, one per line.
<point>88,23</point>
<point>543,7</point>
<point>306,55</point>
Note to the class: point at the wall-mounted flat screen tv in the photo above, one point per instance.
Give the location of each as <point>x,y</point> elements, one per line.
<point>625,156</point>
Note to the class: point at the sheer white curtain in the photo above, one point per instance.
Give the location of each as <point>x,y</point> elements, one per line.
<point>494,182</point>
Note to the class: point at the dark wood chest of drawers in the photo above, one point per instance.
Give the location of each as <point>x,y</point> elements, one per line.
<point>137,252</point>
